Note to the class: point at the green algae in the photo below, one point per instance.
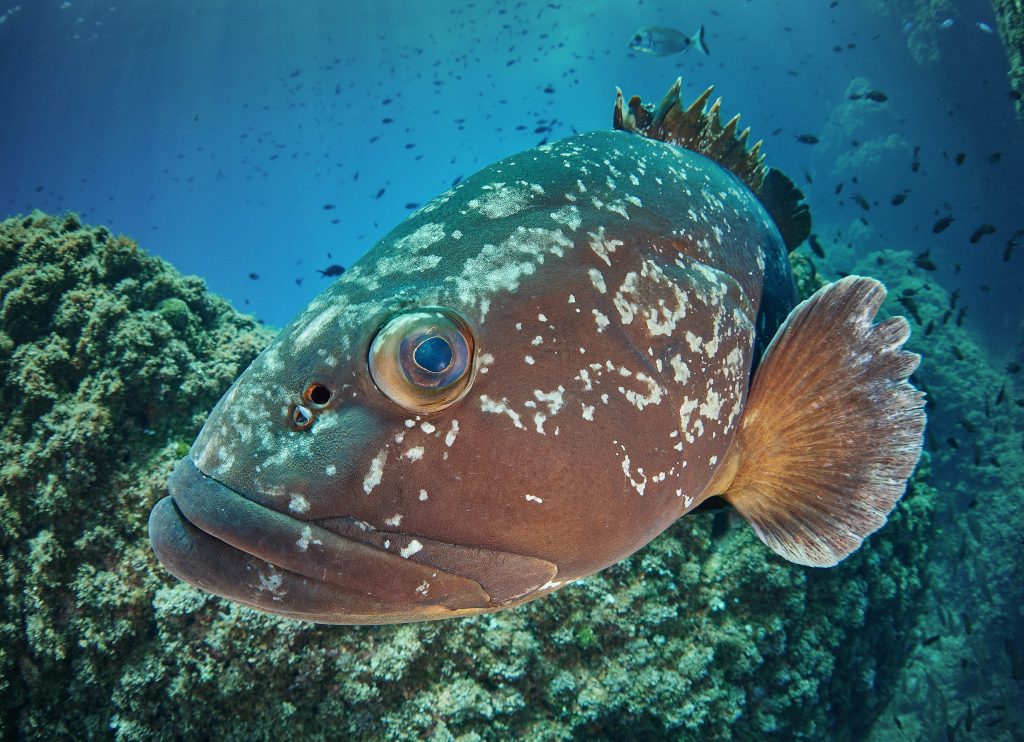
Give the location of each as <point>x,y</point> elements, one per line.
<point>111,360</point>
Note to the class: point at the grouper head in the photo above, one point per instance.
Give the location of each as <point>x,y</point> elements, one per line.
<point>457,424</point>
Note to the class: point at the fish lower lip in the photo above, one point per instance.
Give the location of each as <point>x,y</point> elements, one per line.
<point>214,538</point>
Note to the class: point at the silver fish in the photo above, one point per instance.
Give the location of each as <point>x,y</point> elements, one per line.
<point>661,41</point>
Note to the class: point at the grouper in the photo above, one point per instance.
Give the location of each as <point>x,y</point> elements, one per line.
<point>535,374</point>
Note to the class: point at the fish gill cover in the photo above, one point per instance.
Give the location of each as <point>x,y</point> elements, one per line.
<point>110,358</point>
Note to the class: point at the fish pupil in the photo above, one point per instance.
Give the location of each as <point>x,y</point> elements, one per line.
<point>433,354</point>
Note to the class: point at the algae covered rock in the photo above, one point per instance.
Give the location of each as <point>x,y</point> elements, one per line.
<point>110,361</point>
<point>100,385</point>
<point>1010,22</point>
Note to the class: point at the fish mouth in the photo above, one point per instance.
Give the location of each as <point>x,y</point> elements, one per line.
<point>336,570</point>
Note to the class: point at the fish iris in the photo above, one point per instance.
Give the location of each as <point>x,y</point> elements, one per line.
<point>433,354</point>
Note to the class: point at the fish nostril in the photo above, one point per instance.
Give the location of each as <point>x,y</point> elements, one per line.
<point>301,417</point>
<point>318,394</point>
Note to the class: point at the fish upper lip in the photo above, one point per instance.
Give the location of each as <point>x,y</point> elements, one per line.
<point>215,538</point>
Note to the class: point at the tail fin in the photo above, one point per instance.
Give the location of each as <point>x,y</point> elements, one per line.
<point>698,43</point>
<point>831,430</point>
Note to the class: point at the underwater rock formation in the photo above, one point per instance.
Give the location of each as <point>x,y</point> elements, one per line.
<point>921,21</point>
<point>110,360</point>
<point>1010,23</point>
<point>965,678</point>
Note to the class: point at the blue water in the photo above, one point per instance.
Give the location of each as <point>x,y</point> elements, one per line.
<point>217,134</point>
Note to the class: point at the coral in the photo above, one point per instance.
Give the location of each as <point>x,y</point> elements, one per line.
<point>110,361</point>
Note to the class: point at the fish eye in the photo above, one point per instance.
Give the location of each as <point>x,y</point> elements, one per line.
<point>423,359</point>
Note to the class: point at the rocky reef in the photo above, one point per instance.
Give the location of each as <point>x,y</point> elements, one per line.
<point>965,677</point>
<point>110,361</point>
<point>920,20</point>
<point>1010,23</point>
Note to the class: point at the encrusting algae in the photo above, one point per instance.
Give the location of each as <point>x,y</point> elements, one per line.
<point>111,359</point>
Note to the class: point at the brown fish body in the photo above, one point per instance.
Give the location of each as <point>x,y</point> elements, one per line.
<point>603,300</point>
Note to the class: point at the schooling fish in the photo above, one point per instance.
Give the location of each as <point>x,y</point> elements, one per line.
<point>537,373</point>
<point>661,41</point>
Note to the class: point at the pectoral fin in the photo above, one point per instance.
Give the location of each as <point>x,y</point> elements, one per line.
<point>831,430</point>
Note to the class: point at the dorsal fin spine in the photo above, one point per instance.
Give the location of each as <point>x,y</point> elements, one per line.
<point>700,129</point>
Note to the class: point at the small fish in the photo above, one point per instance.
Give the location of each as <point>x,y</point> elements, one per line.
<point>930,640</point>
<point>816,247</point>
<point>942,224</point>
<point>957,353</point>
<point>329,207</point>
<point>873,95</point>
<point>995,157</point>
<point>332,482</point>
<point>980,232</point>
<point>947,24</point>
<point>911,306</point>
<point>924,261</point>
<point>982,26</point>
<point>332,270</point>
<point>807,139</point>
<point>930,328</point>
<point>254,276</point>
<point>1002,394</point>
<point>839,188</point>
<point>1011,244</point>
<point>899,198</point>
<point>915,163</point>
<point>861,202</point>
<point>959,158</point>
<point>1013,367</point>
<point>661,41</point>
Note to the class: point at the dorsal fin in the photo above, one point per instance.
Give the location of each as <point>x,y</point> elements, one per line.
<point>700,130</point>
